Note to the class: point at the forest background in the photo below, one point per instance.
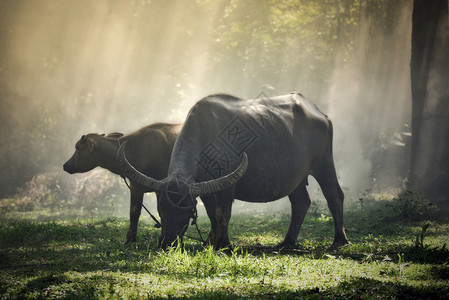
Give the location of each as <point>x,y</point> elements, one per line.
<point>69,68</point>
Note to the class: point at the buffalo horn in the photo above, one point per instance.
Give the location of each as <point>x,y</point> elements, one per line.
<point>219,184</point>
<point>133,174</point>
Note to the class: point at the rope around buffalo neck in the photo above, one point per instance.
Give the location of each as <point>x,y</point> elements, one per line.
<point>194,211</point>
<point>194,222</point>
<point>158,224</point>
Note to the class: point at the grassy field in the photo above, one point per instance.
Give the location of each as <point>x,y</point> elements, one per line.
<point>398,250</point>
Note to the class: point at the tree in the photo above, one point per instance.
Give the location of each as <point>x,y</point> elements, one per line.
<point>429,165</point>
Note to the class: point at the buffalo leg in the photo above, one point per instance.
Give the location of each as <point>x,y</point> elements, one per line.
<point>327,179</point>
<point>300,202</point>
<point>219,208</point>
<point>210,204</point>
<point>134,214</point>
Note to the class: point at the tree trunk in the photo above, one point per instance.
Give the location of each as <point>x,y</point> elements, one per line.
<point>429,165</point>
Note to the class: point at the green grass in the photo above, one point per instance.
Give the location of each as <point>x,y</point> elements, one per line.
<point>65,255</point>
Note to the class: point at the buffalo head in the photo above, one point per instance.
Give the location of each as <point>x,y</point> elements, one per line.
<point>85,157</point>
<point>176,194</point>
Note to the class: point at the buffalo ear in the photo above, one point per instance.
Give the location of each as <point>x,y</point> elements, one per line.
<point>92,144</point>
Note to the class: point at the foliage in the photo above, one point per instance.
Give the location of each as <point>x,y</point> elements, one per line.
<point>389,155</point>
<point>419,242</point>
<point>84,257</point>
<point>411,205</point>
<point>56,191</point>
<point>55,82</point>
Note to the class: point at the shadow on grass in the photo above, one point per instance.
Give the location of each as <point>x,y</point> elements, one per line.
<point>96,245</point>
<point>27,246</point>
<point>365,288</point>
<point>361,288</point>
<point>30,248</point>
<point>411,254</point>
<point>354,288</point>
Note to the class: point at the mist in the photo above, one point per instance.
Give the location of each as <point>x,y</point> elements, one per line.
<point>69,68</point>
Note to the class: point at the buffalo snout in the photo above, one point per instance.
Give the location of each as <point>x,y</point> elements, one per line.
<point>169,241</point>
<point>68,167</point>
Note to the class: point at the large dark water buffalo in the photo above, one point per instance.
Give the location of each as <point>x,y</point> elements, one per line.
<point>149,151</point>
<point>253,150</point>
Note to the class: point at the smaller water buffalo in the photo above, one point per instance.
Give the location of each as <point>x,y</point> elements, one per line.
<point>149,149</point>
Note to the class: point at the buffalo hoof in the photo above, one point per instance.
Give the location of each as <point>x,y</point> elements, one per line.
<point>209,240</point>
<point>222,245</point>
<point>217,243</point>
<point>287,245</point>
<point>130,238</point>
<point>337,245</point>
